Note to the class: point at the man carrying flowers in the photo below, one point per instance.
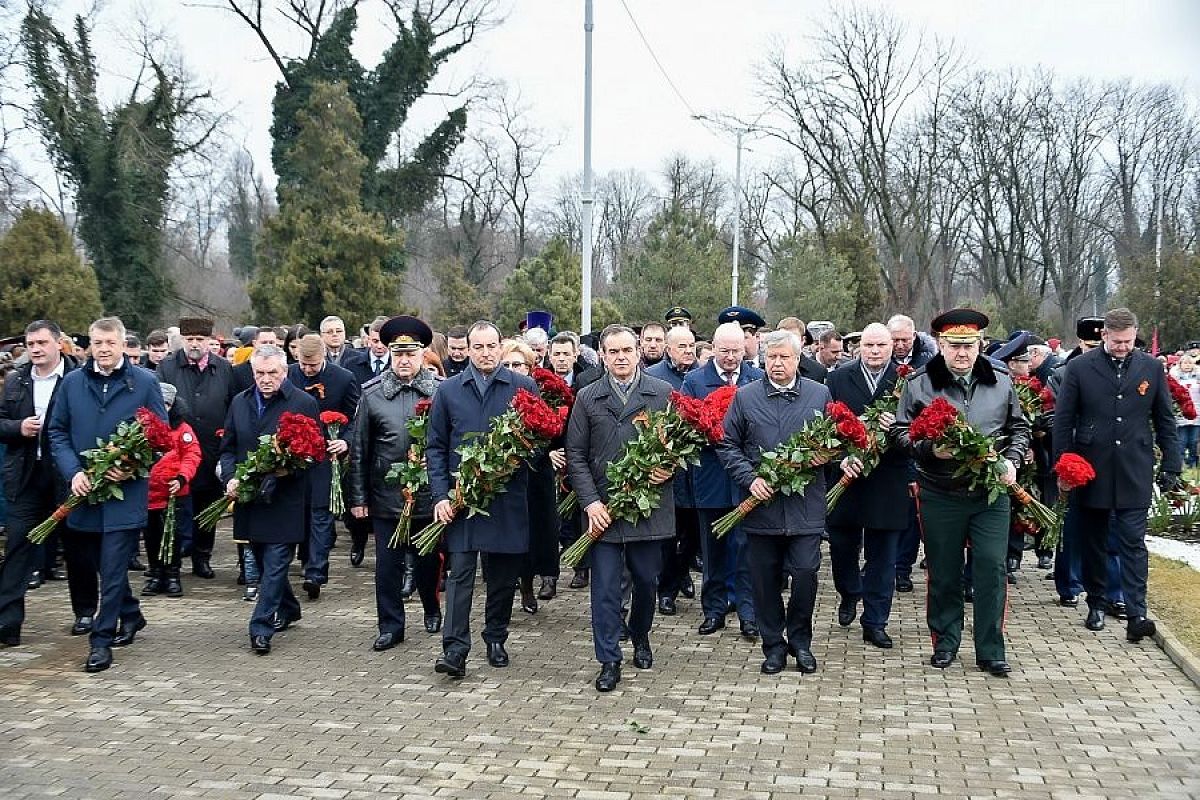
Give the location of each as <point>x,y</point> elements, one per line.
<point>955,506</point>
<point>601,424</point>
<point>783,532</point>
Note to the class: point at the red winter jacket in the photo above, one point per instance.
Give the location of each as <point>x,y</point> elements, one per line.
<point>182,460</point>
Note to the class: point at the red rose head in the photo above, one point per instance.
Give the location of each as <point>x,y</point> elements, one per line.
<point>1074,470</point>
<point>300,436</point>
<point>422,407</point>
<point>933,421</point>
<point>536,415</point>
<point>903,371</point>
<point>334,418</point>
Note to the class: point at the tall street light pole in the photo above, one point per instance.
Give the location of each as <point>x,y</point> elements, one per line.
<point>586,199</point>
<point>739,130</point>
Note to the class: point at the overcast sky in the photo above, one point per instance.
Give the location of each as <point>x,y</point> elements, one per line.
<point>709,48</point>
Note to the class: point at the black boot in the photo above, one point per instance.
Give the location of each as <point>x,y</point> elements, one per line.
<point>154,583</point>
<point>409,585</point>
<point>172,586</point>
<point>529,603</point>
<point>200,566</point>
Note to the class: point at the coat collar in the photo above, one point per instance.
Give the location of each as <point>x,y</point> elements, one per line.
<point>425,384</point>
<point>940,376</point>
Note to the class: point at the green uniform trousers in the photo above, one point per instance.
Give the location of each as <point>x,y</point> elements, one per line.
<point>950,521</point>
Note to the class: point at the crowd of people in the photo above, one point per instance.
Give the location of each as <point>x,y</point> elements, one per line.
<point>1112,406</point>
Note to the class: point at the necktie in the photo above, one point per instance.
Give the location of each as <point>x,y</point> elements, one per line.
<point>729,378</point>
<point>378,366</point>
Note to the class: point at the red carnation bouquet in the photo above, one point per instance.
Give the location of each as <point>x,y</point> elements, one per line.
<point>1037,401</point>
<point>941,424</point>
<point>669,439</point>
<point>554,390</point>
<point>1181,398</point>
<point>333,422</point>
<point>296,444</point>
<point>488,461</point>
<point>411,474</point>
<point>129,449</point>
<point>790,467</point>
<point>1073,471</point>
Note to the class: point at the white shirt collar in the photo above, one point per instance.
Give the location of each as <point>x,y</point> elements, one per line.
<point>55,373</point>
<point>96,367</point>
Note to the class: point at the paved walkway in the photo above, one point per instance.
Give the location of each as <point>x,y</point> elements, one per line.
<point>188,711</point>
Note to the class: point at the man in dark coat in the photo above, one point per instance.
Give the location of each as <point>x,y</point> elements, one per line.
<point>32,487</point>
<point>206,384</point>
<point>275,522</point>
<point>334,389</point>
<point>601,424</point>
<point>783,534</point>
<point>1110,399</point>
<point>716,494</point>
<point>375,360</point>
<point>911,350</point>
<point>380,439</point>
<point>91,403</point>
<point>908,345</point>
<point>463,405</point>
<point>865,518</point>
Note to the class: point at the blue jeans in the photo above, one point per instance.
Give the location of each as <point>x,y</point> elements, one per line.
<point>320,542</point>
<point>117,601</point>
<point>250,565</point>
<point>275,595</point>
<point>1189,440</point>
<point>725,564</point>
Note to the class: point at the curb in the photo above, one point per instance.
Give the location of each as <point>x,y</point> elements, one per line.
<point>1183,658</point>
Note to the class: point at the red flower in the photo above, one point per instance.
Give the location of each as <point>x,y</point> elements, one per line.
<point>537,416</point>
<point>1182,398</point>
<point>554,389</point>
<point>903,371</point>
<point>850,429</point>
<point>334,418</point>
<point>422,407</point>
<point>933,420</point>
<point>1074,470</point>
<point>299,435</point>
<point>708,418</point>
<point>1031,381</point>
<point>1048,399</point>
<point>158,433</point>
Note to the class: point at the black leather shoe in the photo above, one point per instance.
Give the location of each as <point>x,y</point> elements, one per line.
<point>529,603</point>
<point>282,623</point>
<point>643,656</point>
<point>10,637</point>
<point>687,587</point>
<point>805,662</point>
<point>35,579</point>
<point>711,625</point>
<point>749,629</point>
<point>1068,602</point>
<point>126,635</point>
<point>452,665</point>
<point>409,584</point>
<point>98,660</point>
<point>1139,628</point>
<point>904,583</point>
<point>548,589</point>
<point>82,625</point>
<point>998,668</point>
<point>941,659</point>
<point>433,623</point>
<point>260,644</point>
<point>201,568</point>
<point>357,553</point>
<point>312,589</point>
<point>1095,619</point>
<point>55,574</point>
<point>609,677</point>
<point>624,628</point>
<point>172,586</point>
<point>1045,562</point>
<point>877,637</point>
<point>1118,610</point>
<point>154,585</point>
<point>1011,577</point>
<point>666,606</point>
<point>136,565</point>
<point>774,663</point>
<point>579,580</point>
<point>497,656</point>
<point>386,641</point>
<point>847,611</point>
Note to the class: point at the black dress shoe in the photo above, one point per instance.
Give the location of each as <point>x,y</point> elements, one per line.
<point>98,660</point>
<point>548,589</point>
<point>643,656</point>
<point>260,644</point>
<point>711,625</point>
<point>1117,609</point>
<point>282,623</point>
<point>529,603</point>
<point>35,579</point>
<point>82,625</point>
<point>749,629</point>
<point>126,634</point>
<point>624,637</point>
<point>201,568</point>
<point>609,677</point>
<point>312,589</point>
<point>1045,562</point>
<point>386,641</point>
<point>774,663</point>
<point>497,656</point>
<point>1068,602</point>
<point>357,553</point>
<point>172,586</point>
<point>805,662</point>
<point>154,585</point>
<point>877,637</point>
<point>55,574</point>
<point>942,659</point>
<point>998,668</point>
<point>687,587</point>
<point>847,611</point>
<point>1139,628</point>
<point>666,606</point>
<point>10,637</point>
<point>579,580</point>
<point>409,584</point>
<point>452,665</point>
<point>904,583</point>
<point>1011,577</point>
<point>135,565</point>
<point>433,623</point>
<point>1095,619</point>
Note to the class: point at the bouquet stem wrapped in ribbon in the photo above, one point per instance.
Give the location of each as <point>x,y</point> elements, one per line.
<point>297,444</point>
<point>791,467</point>
<point>669,439</point>
<point>941,424</point>
<point>1073,471</point>
<point>411,475</point>
<point>489,461</point>
<point>333,421</point>
<point>128,449</point>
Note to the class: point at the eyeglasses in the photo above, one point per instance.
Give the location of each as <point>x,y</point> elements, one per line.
<point>515,364</point>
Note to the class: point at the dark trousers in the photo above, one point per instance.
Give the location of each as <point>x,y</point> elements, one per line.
<point>875,581</point>
<point>1127,527</point>
<point>909,543</point>
<point>569,531</point>
<point>20,556</point>
<point>154,534</point>
<point>320,542</point>
<point>678,552</point>
<point>389,575</point>
<point>724,563</point>
<point>360,529</point>
<point>950,521</point>
<point>609,563</point>
<point>118,604</point>
<point>502,571</point>
<point>771,557</point>
<point>275,595</point>
<point>81,552</point>
<point>202,497</point>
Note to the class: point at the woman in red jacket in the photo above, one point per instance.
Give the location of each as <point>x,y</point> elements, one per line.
<point>170,475</point>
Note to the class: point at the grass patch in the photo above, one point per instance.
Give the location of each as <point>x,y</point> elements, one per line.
<point>1175,594</point>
